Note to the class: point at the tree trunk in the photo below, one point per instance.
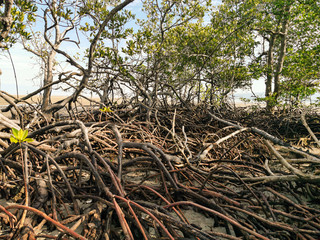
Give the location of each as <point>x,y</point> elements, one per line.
<point>282,51</point>
<point>268,82</point>
<point>48,78</point>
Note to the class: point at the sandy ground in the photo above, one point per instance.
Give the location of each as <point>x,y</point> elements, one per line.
<point>37,100</point>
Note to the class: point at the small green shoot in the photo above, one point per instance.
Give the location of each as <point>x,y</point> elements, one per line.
<point>106,109</point>
<point>19,136</point>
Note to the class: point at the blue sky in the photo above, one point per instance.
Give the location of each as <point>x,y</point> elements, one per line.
<point>27,68</point>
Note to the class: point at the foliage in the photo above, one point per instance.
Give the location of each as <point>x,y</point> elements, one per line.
<point>287,56</point>
<point>106,110</point>
<point>107,56</point>
<point>14,16</point>
<point>19,136</point>
<point>181,51</point>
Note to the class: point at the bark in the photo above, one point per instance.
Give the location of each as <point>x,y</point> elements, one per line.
<point>6,22</point>
<point>282,52</point>
<point>48,79</point>
<point>270,62</point>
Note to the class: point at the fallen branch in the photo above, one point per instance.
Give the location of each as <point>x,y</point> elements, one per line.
<point>45,216</point>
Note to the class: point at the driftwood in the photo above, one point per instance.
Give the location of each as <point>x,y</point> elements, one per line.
<point>7,123</point>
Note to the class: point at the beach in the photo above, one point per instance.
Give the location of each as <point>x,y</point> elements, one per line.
<point>37,100</point>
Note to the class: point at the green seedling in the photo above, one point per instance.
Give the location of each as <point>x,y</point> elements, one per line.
<point>19,136</point>
<point>106,109</point>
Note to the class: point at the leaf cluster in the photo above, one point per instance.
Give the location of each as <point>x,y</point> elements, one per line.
<point>19,136</point>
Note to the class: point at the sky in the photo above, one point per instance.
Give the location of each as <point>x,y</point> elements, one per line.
<point>27,68</point>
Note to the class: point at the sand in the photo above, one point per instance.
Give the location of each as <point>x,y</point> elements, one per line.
<point>37,100</point>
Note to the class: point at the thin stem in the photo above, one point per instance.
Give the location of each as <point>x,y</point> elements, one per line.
<point>14,72</point>
<point>26,183</point>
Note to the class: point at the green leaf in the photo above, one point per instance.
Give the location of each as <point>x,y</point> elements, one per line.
<point>15,132</point>
<point>13,140</point>
<point>20,135</point>
<point>25,134</point>
<point>106,109</point>
<point>28,140</point>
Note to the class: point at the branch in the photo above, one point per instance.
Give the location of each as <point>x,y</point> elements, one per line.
<point>45,216</point>
<point>305,124</point>
<point>267,136</point>
<point>93,46</point>
<point>284,162</point>
<point>86,72</point>
<point>29,95</point>
<point>6,22</point>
